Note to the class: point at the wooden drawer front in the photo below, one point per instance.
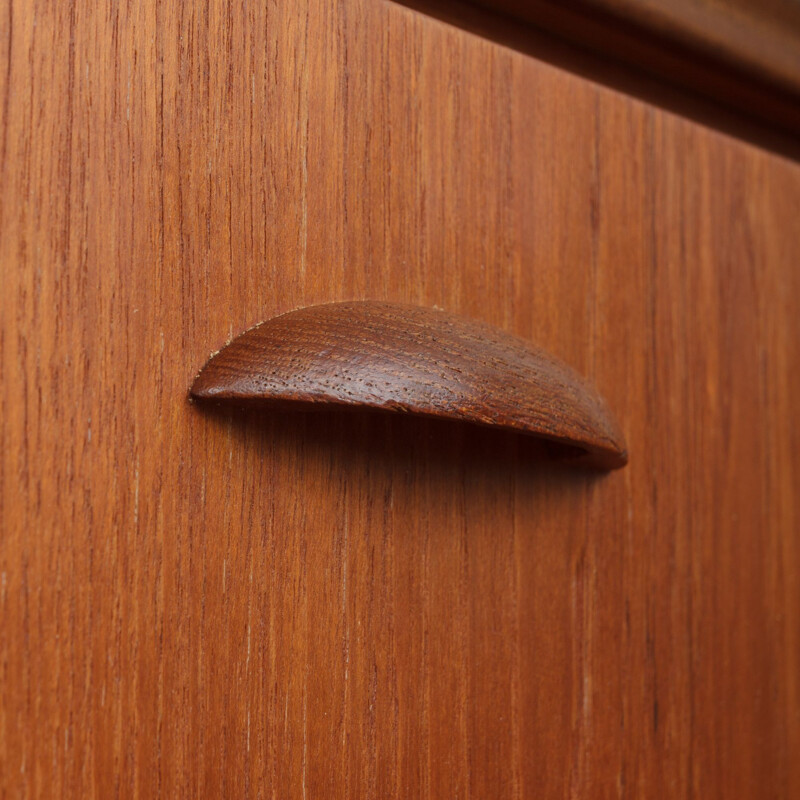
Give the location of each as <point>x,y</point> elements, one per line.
<point>328,606</point>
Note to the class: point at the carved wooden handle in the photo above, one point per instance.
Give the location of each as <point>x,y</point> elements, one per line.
<point>416,360</point>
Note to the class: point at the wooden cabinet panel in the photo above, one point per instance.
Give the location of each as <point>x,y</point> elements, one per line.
<point>739,55</point>
<point>346,606</point>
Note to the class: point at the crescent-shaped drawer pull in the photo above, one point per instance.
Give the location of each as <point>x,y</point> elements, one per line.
<point>417,360</point>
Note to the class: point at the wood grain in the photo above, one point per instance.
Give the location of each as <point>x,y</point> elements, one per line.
<point>740,56</point>
<point>403,358</point>
<point>322,606</point>
<point>756,39</point>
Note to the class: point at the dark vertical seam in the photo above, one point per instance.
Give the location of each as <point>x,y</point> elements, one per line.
<point>159,582</point>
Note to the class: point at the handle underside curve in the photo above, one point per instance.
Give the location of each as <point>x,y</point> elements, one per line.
<point>417,360</point>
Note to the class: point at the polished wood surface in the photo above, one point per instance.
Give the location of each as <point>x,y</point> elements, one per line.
<point>739,56</point>
<point>759,38</point>
<point>408,359</point>
<point>347,606</point>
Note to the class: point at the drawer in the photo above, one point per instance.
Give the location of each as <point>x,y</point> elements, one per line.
<point>278,603</point>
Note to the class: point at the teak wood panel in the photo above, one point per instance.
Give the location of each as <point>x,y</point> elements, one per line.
<point>331,606</point>
<point>744,54</point>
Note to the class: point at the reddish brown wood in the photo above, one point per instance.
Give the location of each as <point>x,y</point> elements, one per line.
<point>760,40</point>
<point>739,55</point>
<point>342,606</point>
<point>396,357</point>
